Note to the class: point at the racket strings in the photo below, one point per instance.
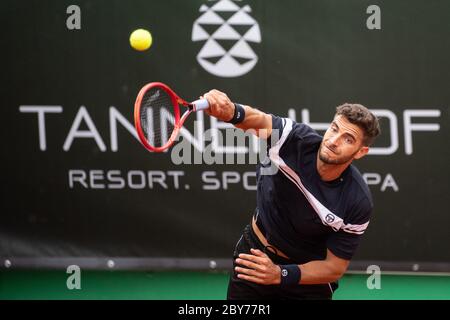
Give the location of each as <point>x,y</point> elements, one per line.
<point>157,117</point>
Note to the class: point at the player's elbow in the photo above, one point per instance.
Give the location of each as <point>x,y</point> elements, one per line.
<point>338,274</point>
<point>339,270</point>
<point>336,266</point>
<point>334,274</point>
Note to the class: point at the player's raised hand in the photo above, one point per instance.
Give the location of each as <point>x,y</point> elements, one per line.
<point>220,106</point>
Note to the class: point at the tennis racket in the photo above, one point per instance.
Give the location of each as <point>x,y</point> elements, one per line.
<point>157,115</point>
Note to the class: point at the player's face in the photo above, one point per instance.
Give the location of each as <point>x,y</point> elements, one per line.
<point>342,143</point>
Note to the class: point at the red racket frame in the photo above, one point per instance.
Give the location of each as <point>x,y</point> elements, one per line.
<point>176,101</point>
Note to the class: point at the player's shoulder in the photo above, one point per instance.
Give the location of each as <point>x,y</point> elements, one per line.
<point>357,198</point>
<point>293,129</point>
<point>359,189</point>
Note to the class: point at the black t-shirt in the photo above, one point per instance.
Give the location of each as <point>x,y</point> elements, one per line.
<point>301,214</point>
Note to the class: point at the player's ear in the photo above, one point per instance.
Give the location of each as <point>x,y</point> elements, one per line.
<point>361,153</point>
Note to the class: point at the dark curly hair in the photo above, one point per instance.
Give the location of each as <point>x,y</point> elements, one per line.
<point>363,118</point>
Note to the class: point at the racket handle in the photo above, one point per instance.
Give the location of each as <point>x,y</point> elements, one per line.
<point>200,104</point>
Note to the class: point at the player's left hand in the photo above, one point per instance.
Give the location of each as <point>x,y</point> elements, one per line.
<point>257,267</point>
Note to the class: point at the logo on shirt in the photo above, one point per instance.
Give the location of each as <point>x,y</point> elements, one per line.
<point>284,272</point>
<point>329,218</point>
<point>226,29</point>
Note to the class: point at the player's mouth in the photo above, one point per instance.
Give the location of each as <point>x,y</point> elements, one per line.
<point>330,149</point>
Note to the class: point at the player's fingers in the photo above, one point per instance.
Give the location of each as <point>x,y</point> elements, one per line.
<point>208,97</point>
<point>218,93</point>
<point>259,253</point>
<point>251,257</point>
<point>249,264</point>
<point>250,278</point>
<point>219,105</point>
<point>212,100</point>
<point>249,272</point>
<point>221,96</point>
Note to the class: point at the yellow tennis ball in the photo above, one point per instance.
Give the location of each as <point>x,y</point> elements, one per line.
<point>141,40</point>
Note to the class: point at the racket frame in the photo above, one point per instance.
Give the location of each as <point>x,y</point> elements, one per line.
<point>176,102</point>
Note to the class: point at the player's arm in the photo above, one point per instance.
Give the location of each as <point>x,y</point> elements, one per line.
<point>259,268</point>
<point>323,271</point>
<point>222,108</point>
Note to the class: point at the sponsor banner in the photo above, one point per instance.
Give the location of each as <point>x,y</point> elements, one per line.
<point>77,182</point>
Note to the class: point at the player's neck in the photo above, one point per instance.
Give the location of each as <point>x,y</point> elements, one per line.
<point>330,172</point>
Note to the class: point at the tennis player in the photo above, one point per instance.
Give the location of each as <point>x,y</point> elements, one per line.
<point>311,214</point>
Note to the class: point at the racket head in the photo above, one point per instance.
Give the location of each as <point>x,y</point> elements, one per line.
<point>157,116</point>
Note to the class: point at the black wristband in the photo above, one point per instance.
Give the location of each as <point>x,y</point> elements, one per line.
<point>239,114</point>
<point>290,275</point>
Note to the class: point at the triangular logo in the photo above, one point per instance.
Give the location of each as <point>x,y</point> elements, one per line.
<point>242,50</point>
<point>241,17</point>
<point>210,17</point>
<point>211,49</point>
<point>242,61</point>
<point>225,29</point>
<point>247,8</point>
<point>254,34</point>
<point>198,33</point>
<point>242,29</point>
<point>225,5</point>
<point>225,32</point>
<point>213,60</point>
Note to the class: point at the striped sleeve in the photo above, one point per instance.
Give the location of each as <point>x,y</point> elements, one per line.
<point>346,240</point>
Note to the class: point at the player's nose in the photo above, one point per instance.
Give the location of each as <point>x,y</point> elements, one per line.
<point>333,140</point>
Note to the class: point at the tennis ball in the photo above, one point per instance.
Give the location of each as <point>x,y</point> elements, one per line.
<point>141,39</point>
